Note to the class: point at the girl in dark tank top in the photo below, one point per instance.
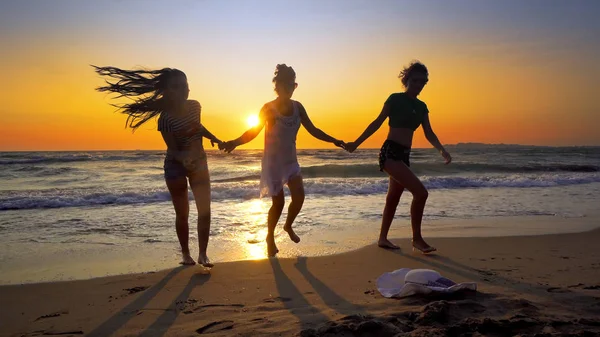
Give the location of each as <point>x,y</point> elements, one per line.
<point>406,113</point>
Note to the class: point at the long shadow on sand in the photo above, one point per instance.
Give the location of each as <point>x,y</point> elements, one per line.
<point>330,297</point>
<point>166,320</point>
<point>114,323</point>
<point>293,300</point>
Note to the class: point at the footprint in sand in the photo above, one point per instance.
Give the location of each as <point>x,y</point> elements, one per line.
<point>592,287</point>
<point>215,327</point>
<point>485,272</point>
<point>61,333</point>
<point>557,290</point>
<point>259,320</point>
<point>185,305</point>
<point>134,290</point>
<point>277,299</point>
<point>54,314</point>
<point>205,306</point>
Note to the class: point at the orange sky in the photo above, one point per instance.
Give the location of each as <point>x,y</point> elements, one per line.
<point>488,83</point>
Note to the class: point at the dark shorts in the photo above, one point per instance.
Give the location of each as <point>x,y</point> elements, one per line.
<point>394,151</point>
<point>175,169</point>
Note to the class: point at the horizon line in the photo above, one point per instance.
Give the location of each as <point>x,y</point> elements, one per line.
<point>364,148</point>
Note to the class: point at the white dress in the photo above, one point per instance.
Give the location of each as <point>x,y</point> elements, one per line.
<point>279,162</point>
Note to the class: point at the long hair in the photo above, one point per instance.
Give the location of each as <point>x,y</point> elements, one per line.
<point>144,87</point>
<point>408,71</point>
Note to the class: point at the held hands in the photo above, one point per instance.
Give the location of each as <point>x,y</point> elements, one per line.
<point>232,144</point>
<point>351,147</point>
<point>216,141</point>
<point>228,146</point>
<point>340,143</point>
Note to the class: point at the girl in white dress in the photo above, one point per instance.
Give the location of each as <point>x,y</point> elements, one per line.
<point>282,118</point>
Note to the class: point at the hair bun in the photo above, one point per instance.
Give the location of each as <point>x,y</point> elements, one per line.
<point>284,72</point>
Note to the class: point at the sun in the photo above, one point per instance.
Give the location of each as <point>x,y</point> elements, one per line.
<point>252,121</point>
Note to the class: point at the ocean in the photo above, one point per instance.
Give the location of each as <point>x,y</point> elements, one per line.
<point>70,215</point>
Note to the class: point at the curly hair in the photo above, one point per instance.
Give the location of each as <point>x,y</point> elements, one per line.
<point>408,71</point>
<point>144,87</point>
<point>284,73</point>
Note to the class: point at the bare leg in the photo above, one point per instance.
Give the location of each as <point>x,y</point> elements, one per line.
<point>297,191</point>
<point>179,194</point>
<point>392,199</point>
<point>200,183</point>
<point>272,219</point>
<point>404,176</point>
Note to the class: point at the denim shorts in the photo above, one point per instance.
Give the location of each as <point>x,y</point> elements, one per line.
<point>175,169</point>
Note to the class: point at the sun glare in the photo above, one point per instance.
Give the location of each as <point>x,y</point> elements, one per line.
<point>252,121</point>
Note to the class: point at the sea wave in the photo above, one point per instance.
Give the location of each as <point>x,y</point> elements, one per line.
<point>248,189</point>
<point>70,158</point>
<point>372,170</point>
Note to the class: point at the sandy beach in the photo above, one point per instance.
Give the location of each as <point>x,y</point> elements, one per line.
<point>139,136</point>
<point>546,285</point>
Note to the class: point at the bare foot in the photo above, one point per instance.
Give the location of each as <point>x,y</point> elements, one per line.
<point>204,261</point>
<point>271,246</point>
<point>187,260</point>
<point>385,243</point>
<point>421,245</point>
<point>292,234</point>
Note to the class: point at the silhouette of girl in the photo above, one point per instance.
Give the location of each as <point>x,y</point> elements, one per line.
<point>282,118</point>
<point>164,93</point>
<point>406,113</point>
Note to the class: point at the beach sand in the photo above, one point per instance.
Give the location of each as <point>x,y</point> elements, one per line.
<point>545,285</point>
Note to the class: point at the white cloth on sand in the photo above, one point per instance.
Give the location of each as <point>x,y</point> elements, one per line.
<point>408,282</point>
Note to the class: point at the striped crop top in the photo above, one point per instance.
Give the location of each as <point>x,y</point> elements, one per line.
<point>181,124</point>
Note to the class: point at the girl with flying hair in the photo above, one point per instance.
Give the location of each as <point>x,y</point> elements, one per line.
<point>164,94</point>
<point>282,118</point>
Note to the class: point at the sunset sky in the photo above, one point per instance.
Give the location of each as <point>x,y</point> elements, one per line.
<point>517,71</point>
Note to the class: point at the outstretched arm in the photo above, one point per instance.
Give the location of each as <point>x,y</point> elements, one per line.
<point>250,134</point>
<point>200,129</point>
<point>370,130</point>
<point>316,132</point>
<point>208,135</point>
<point>433,139</point>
